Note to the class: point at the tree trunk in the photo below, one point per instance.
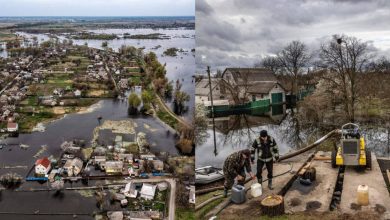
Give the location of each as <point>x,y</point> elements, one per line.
<point>272,205</point>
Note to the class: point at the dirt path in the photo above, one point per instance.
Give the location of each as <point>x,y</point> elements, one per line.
<point>178,118</point>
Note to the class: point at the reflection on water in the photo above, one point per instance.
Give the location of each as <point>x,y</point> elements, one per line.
<point>80,126</point>
<point>181,67</point>
<point>237,132</point>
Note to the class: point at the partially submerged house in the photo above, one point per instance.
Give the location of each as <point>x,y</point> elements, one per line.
<point>253,91</point>
<point>12,127</point>
<point>202,92</point>
<point>73,166</point>
<point>255,84</point>
<point>42,166</point>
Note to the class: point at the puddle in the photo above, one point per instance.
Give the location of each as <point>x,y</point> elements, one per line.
<point>295,202</point>
<point>380,209</point>
<point>355,206</point>
<point>313,205</point>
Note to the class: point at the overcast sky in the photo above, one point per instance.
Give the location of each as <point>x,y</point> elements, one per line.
<point>238,33</point>
<point>97,7</point>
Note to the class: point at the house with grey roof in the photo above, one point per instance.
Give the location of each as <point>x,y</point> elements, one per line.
<point>255,84</point>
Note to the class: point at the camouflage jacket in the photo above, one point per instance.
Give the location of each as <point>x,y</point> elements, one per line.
<point>234,163</point>
<point>267,151</point>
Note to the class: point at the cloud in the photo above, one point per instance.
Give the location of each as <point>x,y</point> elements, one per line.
<point>240,32</point>
<point>203,7</point>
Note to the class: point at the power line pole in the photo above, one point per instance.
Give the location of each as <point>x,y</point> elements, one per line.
<point>212,110</point>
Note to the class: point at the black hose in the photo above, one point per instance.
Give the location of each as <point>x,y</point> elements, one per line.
<point>218,196</point>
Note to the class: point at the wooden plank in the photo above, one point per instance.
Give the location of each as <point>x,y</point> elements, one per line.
<point>303,170</point>
<point>378,194</point>
<point>388,174</point>
<point>322,158</point>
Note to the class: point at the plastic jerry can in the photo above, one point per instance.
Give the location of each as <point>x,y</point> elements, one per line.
<point>238,194</point>
<point>362,195</point>
<point>256,190</point>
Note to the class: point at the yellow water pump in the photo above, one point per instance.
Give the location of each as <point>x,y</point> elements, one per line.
<point>352,150</point>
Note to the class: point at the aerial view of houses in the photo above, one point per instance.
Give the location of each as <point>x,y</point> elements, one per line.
<point>96,118</point>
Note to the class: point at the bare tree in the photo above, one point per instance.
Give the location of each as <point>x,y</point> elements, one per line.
<point>292,59</point>
<point>270,62</point>
<point>238,90</point>
<point>345,57</point>
<point>382,65</point>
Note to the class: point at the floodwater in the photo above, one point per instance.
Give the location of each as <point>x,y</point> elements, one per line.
<point>45,202</point>
<point>181,67</point>
<point>232,136</point>
<point>80,126</point>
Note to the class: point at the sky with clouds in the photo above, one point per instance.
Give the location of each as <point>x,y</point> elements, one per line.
<point>237,33</point>
<point>97,7</point>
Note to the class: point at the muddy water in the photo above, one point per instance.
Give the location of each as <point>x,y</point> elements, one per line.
<point>232,140</point>
<point>80,126</point>
<point>45,202</point>
<point>67,128</point>
<point>232,137</point>
<point>181,67</point>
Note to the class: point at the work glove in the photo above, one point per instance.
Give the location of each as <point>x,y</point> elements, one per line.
<point>276,158</point>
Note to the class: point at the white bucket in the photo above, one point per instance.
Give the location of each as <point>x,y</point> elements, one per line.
<point>256,190</point>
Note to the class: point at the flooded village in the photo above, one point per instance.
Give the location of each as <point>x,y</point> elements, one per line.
<point>94,130</point>
<point>298,131</point>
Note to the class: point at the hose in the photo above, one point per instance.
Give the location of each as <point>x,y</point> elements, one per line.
<point>311,146</point>
<point>218,196</point>
<point>284,157</point>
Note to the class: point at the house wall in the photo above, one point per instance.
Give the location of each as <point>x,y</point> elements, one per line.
<point>228,77</point>
<point>39,169</point>
<point>200,99</point>
<point>277,89</point>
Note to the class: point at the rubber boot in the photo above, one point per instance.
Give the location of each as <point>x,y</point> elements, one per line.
<point>225,192</point>
<point>270,184</point>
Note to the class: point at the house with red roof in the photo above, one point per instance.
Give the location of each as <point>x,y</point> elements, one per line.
<point>12,127</point>
<point>42,166</point>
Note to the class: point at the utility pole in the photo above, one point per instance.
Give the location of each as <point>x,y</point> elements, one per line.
<point>212,110</point>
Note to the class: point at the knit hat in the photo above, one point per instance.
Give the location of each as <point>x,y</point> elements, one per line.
<point>263,133</point>
<point>246,152</point>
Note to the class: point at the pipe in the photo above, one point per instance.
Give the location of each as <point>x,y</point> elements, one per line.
<point>246,190</point>
<point>315,144</point>
<point>284,157</point>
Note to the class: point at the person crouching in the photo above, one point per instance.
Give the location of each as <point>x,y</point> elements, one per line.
<point>234,169</point>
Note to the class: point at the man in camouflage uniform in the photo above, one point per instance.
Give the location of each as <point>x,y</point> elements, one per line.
<point>234,168</point>
<point>267,152</point>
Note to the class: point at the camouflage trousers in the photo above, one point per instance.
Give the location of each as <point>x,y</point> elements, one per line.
<point>230,176</point>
